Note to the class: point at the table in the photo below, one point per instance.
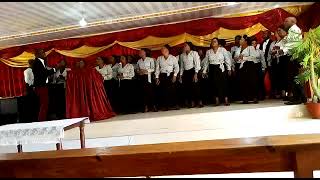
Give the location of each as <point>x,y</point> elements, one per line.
<point>41,132</point>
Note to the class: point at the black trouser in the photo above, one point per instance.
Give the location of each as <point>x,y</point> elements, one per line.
<point>109,87</point>
<point>297,89</point>
<point>167,91</point>
<point>60,104</point>
<point>235,84</point>
<point>191,88</point>
<point>284,73</point>
<point>275,77</point>
<point>147,91</point>
<point>204,90</point>
<point>248,81</point>
<point>260,83</point>
<point>125,97</point>
<point>30,106</point>
<point>218,81</point>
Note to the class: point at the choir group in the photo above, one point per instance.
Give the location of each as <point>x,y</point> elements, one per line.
<point>194,78</point>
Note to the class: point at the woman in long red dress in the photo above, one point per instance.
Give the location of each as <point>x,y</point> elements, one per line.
<point>85,94</point>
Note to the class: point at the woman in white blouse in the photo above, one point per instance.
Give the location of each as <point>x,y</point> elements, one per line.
<point>145,69</point>
<point>260,64</point>
<point>216,59</point>
<point>283,61</point>
<point>106,73</point>
<point>167,69</point>
<point>125,75</point>
<point>247,72</point>
<point>189,68</point>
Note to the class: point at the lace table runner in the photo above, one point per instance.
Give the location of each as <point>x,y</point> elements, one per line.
<point>36,132</point>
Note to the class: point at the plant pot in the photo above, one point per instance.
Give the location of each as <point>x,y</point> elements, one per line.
<point>314,109</point>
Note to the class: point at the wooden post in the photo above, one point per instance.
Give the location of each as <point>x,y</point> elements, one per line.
<point>19,147</point>
<point>303,165</point>
<point>82,136</point>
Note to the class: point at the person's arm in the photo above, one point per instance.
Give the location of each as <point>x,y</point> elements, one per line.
<point>109,72</point>
<point>157,73</point>
<point>263,62</point>
<point>205,63</point>
<point>227,59</point>
<point>130,71</point>
<point>175,66</point>
<point>152,66</point>
<point>181,67</point>
<point>26,77</point>
<point>197,62</point>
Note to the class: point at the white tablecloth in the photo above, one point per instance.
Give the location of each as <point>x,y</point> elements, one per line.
<point>36,132</point>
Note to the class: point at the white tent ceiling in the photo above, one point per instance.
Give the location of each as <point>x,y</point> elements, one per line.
<point>30,22</point>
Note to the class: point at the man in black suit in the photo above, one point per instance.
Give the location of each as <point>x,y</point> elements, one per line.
<point>41,73</point>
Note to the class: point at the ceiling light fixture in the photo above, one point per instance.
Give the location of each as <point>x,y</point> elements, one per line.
<point>232,3</point>
<point>83,22</point>
<point>276,6</point>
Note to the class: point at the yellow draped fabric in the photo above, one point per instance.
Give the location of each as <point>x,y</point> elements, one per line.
<point>151,42</point>
<point>83,51</point>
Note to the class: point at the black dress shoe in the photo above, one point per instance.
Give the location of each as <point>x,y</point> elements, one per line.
<point>293,102</point>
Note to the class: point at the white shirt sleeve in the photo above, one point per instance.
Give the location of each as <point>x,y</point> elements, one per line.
<point>157,72</point>
<point>227,59</point>
<point>151,69</point>
<point>263,62</point>
<point>128,73</point>
<point>175,66</point>
<point>197,63</point>
<point>181,66</point>
<point>206,62</point>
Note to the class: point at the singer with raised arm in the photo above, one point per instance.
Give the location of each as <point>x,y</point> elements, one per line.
<point>41,72</point>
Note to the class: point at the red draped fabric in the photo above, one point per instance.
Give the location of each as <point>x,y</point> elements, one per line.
<point>11,81</point>
<point>271,19</point>
<point>85,95</point>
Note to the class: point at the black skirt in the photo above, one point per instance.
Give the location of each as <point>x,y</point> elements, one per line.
<point>191,89</point>
<point>168,91</point>
<point>218,81</point>
<point>248,81</point>
<point>147,91</point>
<point>283,73</point>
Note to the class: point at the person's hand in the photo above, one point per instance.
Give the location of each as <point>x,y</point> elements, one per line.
<point>144,71</point>
<point>195,78</point>
<point>180,79</point>
<point>236,58</point>
<point>174,79</point>
<point>204,75</point>
<point>229,72</point>
<point>281,52</point>
<point>157,81</point>
<point>241,57</point>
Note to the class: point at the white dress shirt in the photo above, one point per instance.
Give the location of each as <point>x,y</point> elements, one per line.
<point>57,75</point>
<point>294,36</point>
<point>189,61</point>
<point>218,58</point>
<point>127,71</point>
<point>105,71</point>
<point>248,55</point>
<point>146,64</point>
<point>264,46</point>
<point>28,76</point>
<point>115,68</point>
<point>260,58</point>
<point>167,66</point>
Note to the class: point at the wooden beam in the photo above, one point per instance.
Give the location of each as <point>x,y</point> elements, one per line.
<point>243,155</point>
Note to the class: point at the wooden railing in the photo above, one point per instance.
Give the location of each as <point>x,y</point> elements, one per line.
<point>298,153</point>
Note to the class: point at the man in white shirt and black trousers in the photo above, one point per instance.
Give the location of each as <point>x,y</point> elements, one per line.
<point>41,73</point>
<point>29,110</point>
<point>294,35</point>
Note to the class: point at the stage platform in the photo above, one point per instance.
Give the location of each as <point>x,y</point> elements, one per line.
<point>266,118</point>
<point>269,117</point>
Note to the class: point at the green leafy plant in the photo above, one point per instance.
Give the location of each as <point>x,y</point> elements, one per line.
<point>307,53</point>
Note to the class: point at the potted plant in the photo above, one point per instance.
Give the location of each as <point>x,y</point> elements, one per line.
<point>307,52</point>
